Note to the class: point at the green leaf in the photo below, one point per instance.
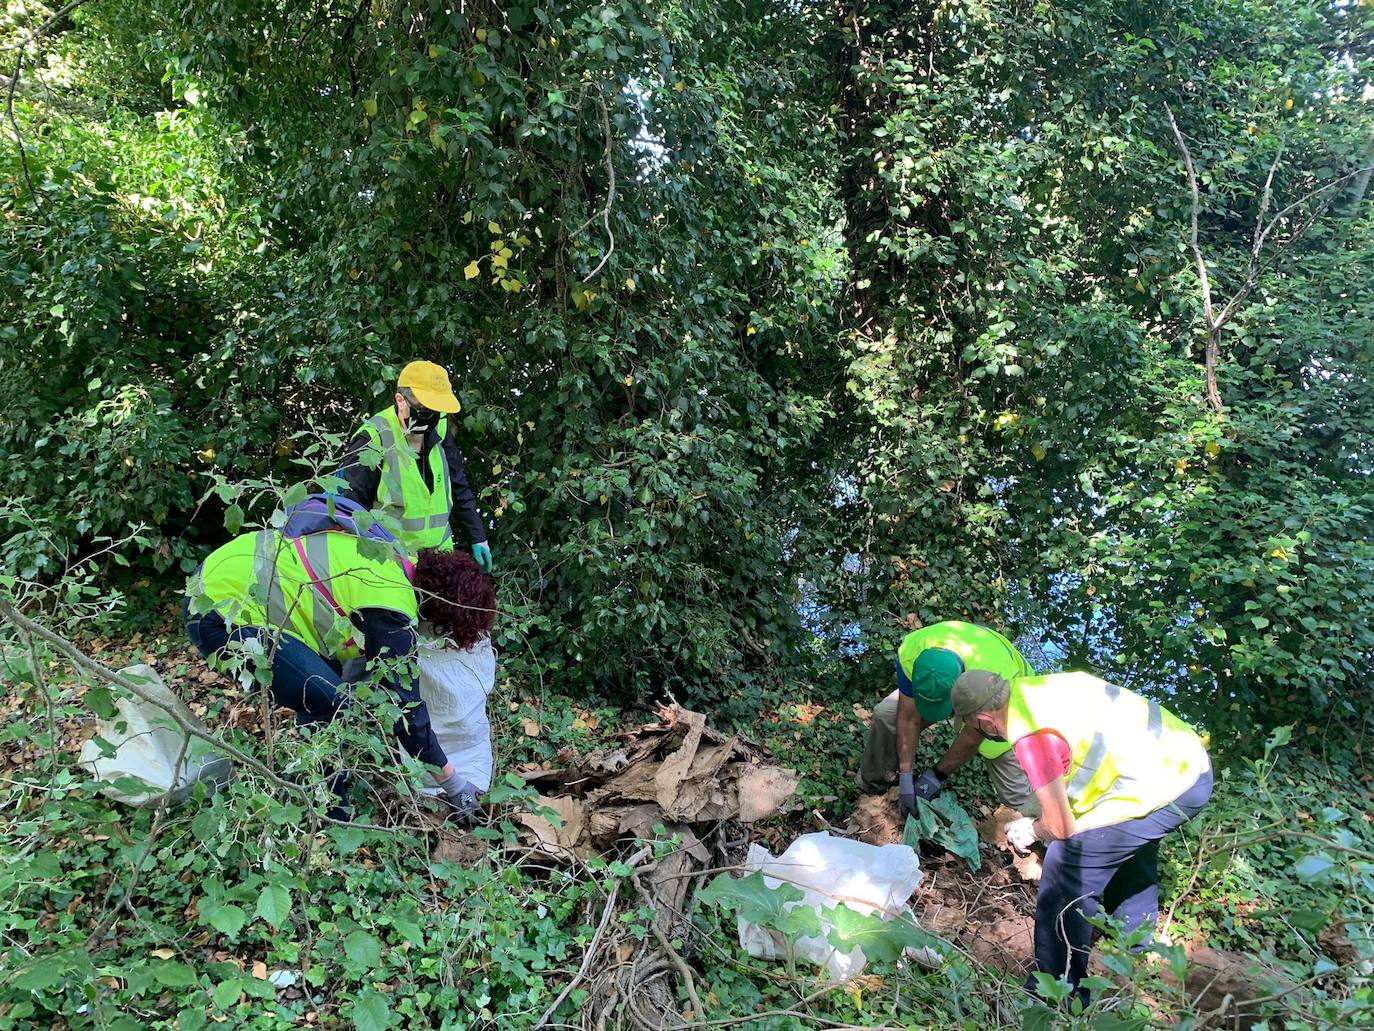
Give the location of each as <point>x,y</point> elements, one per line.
<point>1311,920</point>
<point>233,519</point>
<point>228,919</point>
<point>751,897</point>
<point>363,949</point>
<point>883,940</point>
<point>274,904</point>
<point>42,973</point>
<point>226,993</point>
<point>294,496</point>
<point>371,1012</point>
<point>174,975</point>
<point>1311,867</point>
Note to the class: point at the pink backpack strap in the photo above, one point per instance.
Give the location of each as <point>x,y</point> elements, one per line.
<point>322,588</point>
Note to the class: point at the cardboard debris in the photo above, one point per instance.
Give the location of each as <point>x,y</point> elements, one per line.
<point>674,773</point>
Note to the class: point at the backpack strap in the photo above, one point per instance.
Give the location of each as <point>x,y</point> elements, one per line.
<point>322,589</point>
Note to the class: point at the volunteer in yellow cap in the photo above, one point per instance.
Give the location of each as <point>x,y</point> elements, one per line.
<point>405,466</point>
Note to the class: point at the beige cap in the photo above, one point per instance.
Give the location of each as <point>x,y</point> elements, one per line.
<point>977,691</point>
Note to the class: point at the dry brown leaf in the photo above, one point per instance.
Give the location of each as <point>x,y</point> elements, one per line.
<point>763,790</point>
<point>162,953</point>
<point>260,970</point>
<point>531,726</point>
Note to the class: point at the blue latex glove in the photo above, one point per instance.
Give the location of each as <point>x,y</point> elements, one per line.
<point>481,554</point>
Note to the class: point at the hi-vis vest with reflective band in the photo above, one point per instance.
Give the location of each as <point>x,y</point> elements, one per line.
<point>258,579</point>
<point>1130,755</point>
<point>421,514</point>
<point>979,647</point>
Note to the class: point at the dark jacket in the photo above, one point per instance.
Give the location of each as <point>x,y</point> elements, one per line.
<point>363,482</point>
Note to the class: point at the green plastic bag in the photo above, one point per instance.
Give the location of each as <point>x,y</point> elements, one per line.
<point>944,822</point>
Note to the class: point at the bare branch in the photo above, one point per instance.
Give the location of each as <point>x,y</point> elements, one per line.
<point>1213,351</point>
<point>605,213</point>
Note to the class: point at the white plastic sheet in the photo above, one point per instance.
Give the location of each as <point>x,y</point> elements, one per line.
<point>146,744</point>
<point>455,685</point>
<point>829,870</point>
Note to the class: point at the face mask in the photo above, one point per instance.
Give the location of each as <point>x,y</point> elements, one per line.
<point>422,420</point>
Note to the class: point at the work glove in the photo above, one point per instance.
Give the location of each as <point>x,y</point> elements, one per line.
<point>461,797</point>
<point>906,792</point>
<point>1021,834</point>
<point>481,554</point>
<point>928,785</point>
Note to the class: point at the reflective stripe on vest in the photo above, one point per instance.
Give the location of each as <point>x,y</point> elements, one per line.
<point>978,647</point>
<point>262,580</point>
<point>1129,754</point>
<point>420,515</point>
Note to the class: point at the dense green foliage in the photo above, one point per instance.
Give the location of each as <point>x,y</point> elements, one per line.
<point>911,284</point>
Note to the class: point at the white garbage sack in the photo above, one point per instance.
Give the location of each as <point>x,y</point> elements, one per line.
<point>830,870</point>
<point>455,685</point>
<point>146,744</point>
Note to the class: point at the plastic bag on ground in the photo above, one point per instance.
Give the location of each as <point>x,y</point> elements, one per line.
<point>829,870</point>
<point>146,744</point>
<point>455,685</point>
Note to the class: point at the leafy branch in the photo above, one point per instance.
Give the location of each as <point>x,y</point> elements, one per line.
<point>1257,263</point>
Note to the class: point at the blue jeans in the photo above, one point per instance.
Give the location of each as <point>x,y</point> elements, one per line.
<point>1114,868</point>
<point>302,679</point>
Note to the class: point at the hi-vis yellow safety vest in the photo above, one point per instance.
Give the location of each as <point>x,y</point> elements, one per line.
<point>420,515</point>
<point>978,647</point>
<point>261,579</point>
<point>1130,755</point>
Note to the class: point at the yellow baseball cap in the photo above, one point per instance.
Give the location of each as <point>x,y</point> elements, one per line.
<point>429,383</point>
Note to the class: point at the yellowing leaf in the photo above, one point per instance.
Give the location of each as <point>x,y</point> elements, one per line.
<point>498,261</point>
<point>1288,104</point>
<point>481,35</point>
<point>516,286</point>
<point>478,79</point>
<point>1038,452</point>
<point>370,106</point>
<point>471,270</point>
<point>604,499</point>
<point>433,51</point>
<point>630,283</point>
<point>750,331</point>
<point>629,381</point>
<point>679,86</point>
<point>506,252</point>
<point>1213,449</point>
<point>467,217</point>
<point>493,227</point>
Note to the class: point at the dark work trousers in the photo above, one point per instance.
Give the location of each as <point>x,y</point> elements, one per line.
<point>302,679</point>
<point>1114,868</point>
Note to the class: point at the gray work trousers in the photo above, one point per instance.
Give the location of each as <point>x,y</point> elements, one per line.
<point>878,767</point>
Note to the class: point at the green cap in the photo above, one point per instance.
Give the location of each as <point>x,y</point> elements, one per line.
<point>932,678</point>
<point>977,691</point>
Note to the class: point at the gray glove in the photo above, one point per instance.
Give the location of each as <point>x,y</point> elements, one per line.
<point>928,785</point>
<point>907,793</point>
<point>461,797</point>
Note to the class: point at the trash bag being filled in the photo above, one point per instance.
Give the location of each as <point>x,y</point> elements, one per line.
<point>134,753</point>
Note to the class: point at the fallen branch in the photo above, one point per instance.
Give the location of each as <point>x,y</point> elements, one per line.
<point>606,913</point>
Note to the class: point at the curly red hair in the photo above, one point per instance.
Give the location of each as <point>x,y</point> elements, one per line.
<point>456,598</point>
